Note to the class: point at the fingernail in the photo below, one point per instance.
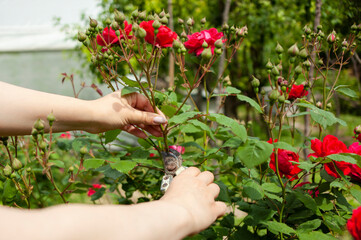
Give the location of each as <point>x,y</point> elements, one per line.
<point>159,120</point>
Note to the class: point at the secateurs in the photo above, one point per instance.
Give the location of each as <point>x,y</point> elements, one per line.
<point>172,161</point>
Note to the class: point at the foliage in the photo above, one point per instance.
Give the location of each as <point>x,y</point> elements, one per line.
<point>284,195</point>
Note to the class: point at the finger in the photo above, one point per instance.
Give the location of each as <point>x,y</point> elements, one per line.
<point>219,208</point>
<point>191,171</point>
<point>134,131</point>
<point>154,131</point>
<point>214,189</point>
<point>146,118</point>
<point>206,176</point>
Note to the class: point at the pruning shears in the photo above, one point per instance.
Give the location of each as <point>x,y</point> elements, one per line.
<point>172,161</point>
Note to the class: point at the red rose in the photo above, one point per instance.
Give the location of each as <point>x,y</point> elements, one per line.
<point>331,145</point>
<point>354,224</point>
<point>110,37</point>
<point>165,35</point>
<point>355,171</point>
<point>92,190</point>
<point>297,91</point>
<point>65,135</point>
<point>314,193</point>
<point>178,148</point>
<point>285,166</point>
<point>195,41</point>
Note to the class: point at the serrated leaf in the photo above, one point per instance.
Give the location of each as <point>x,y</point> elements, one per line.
<point>9,192</point>
<point>315,236</point>
<point>307,200</point>
<point>273,196</point>
<point>110,136</point>
<point>78,143</point>
<point>253,154</point>
<point>189,129</point>
<point>183,117</point>
<point>342,157</point>
<point>309,225</point>
<point>277,227</point>
<point>128,90</point>
<point>252,102</point>
<point>347,92</point>
<point>271,187</point>
<point>223,194</point>
<point>232,90</point>
<point>124,166</point>
<point>253,190</point>
<point>132,83</point>
<point>233,142</point>
<point>305,165</point>
<point>238,129</point>
<point>203,126</point>
<point>93,163</point>
<point>356,194</point>
<point>58,163</point>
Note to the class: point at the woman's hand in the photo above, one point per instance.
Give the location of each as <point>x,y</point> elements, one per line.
<point>195,192</point>
<point>130,113</point>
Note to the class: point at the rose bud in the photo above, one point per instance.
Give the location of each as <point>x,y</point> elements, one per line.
<point>81,37</point>
<point>16,164</point>
<point>263,92</point>
<point>269,65</point>
<point>279,48</point>
<point>303,53</point>
<point>180,21</point>
<point>218,43</point>
<point>177,44</point>
<point>281,99</point>
<point>331,38</point>
<point>275,71</point>
<point>164,20</point>
<point>255,82</point>
<point>344,44</point>
<point>321,34</point>
<point>307,64</point>
<point>135,13</point>
<point>206,54</point>
<point>119,16</point>
<point>7,170</point>
<point>273,96</point>
<point>203,20</point>
<point>115,25</point>
<point>204,44</point>
<point>142,15</point>
<point>218,51</point>
<point>162,14</point>
<point>39,125</point>
<point>156,24</point>
<point>93,23</point>
<point>225,27</point>
<point>307,30</point>
<point>51,118</point>
<point>190,22</point>
<point>293,50</point>
<point>319,104</point>
<point>141,33</point>
<point>42,145</point>
<point>83,150</point>
<point>354,27</point>
<point>108,21</point>
<point>319,27</point>
<point>357,129</point>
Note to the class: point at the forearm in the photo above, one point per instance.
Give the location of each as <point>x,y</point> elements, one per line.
<point>153,220</point>
<point>21,107</point>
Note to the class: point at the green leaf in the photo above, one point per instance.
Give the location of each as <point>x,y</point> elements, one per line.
<point>124,166</point>
<point>9,192</point>
<point>342,157</point>
<point>78,143</point>
<point>132,83</point>
<point>189,128</point>
<point>271,187</point>
<point>202,126</point>
<point>233,142</point>
<point>305,165</point>
<point>307,200</point>
<point>309,225</point>
<point>255,153</point>
<point>232,90</point>
<point>315,236</point>
<point>183,117</point>
<point>93,163</point>
<point>277,227</point>
<point>110,136</point>
<point>347,92</point>
<point>238,129</point>
<point>356,194</point>
<point>223,194</point>
<point>58,163</point>
<point>253,190</point>
<point>128,90</point>
<point>273,196</point>
<point>98,194</point>
<point>168,110</point>
<point>286,146</point>
<point>252,102</point>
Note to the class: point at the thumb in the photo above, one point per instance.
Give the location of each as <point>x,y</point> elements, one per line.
<point>146,118</point>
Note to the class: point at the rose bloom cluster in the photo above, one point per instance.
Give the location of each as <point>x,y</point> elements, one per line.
<point>163,38</point>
